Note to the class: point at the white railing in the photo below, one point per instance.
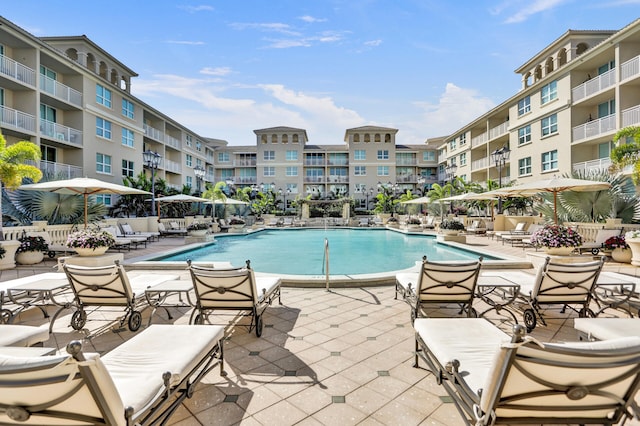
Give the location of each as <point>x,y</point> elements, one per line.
<point>596,166</point>
<point>58,171</point>
<point>499,130</point>
<point>630,69</point>
<point>17,71</point>
<point>631,116</point>
<point>153,133</point>
<point>594,128</point>
<point>480,163</point>
<point>171,166</point>
<point>60,91</point>
<point>61,133</point>
<point>16,119</point>
<point>172,142</point>
<point>594,85</point>
<point>479,140</point>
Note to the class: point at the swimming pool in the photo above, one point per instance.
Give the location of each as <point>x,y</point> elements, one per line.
<point>301,251</point>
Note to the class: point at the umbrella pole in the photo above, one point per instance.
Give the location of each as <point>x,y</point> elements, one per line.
<point>555,206</point>
<point>86,198</point>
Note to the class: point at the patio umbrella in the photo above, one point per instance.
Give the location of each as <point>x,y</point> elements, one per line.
<point>421,200</point>
<point>554,185</point>
<point>181,198</point>
<point>83,186</point>
<point>470,196</point>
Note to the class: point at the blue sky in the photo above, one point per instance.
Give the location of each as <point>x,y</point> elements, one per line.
<point>224,68</point>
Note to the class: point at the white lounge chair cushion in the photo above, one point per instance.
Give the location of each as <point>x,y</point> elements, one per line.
<point>140,283</point>
<point>472,341</point>
<point>608,328</point>
<point>177,349</point>
<point>265,285</point>
<point>406,279</point>
<point>22,335</point>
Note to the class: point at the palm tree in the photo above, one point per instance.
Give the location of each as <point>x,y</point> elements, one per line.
<point>13,167</point>
<point>214,193</point>
<point>627,152</point>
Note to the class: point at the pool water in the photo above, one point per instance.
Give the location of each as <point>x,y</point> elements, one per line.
<point>301,251</point>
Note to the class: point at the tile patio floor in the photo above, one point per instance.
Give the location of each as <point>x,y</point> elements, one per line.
<point>342,357</point>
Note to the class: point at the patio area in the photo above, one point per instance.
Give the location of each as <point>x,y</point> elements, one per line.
<point>343,356</point>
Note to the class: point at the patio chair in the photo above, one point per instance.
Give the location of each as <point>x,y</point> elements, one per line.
<point>127,230</point>
<point>595,246</point>
<point>522,238</point>
<point>495,379</point>
<point>606,328</point>
<point>54,248</point>
<point>440,283</point>
<point>143,381</point>
<point>136,240</point>
<point>166,232</point>
<point>363,221</point>
<point>477,227</point>
<point>232,289</point>
<point>429,222</point>
<point>518,229</point>
<point>110,286</point>
<point>120,242</point>
<point>287,221</point>
<point>22,335</point>
<point>565,284</point>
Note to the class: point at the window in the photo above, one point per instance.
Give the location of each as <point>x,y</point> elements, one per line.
<point>524,166</point>
<point>607,108</point>
<point>198,162</point>
<point>360,171</point>
<point>463,139</point>
<point>128,109</point>
<point>269,155</point>
<point>524,135</point>
<point>428,156</point>
<point>452,145</point>
<point>223,157</point>
<point>103,163</point>
<point>524,105</point>
<point>103,95</point>
<point>360,154</point>
<point>189,160</point>
<point>463,159</point>
<point>127,137</point>
<point>189,140</point>
<point>383,170</point>
<point>103,128</point>
<point>127,168</point>
<point>291,171</point>
<point>550,160</point>
<point>198,145</point>
<point>383,154</point>
<point>549,92</point>
<point>189,181</point>
<point>269,171</point>
<point>292,155</point>
<point>550,125</point>
<point>103,199</point>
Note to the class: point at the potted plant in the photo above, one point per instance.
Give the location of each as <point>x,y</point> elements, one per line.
<point>237,224</point>
<point>413,224</point>
<point>556,239</point>
<point>620,251</point>
<point>632,238</point>
<point>451,227</point>
<point>392,222</point>
<point>198,229</point>
<point>90,243</point>
<point>31,250</point>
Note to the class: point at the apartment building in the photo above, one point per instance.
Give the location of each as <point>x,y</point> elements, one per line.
<point>576,94</point>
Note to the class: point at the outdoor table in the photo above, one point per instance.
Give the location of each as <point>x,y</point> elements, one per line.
<point>157,295</point>
<point>614,291</point>
<point>498,292</point>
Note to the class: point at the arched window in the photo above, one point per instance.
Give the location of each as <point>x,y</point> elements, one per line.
<point>72,54</point>
<point>285,138</point>
<point>295,139</point>
<point>581,48</point>
<point>274,138</point>
<point>376,138</point>
<point>367,137</point>
<point>114,77</point>
<point>548,66</point>
<point>538,73</point>
<point>527,79</point>
<point>91,62</point>
<point>562,57</point>
<point>356,137</point>
<point>387,138</point>
<point>103,70</point>
<point>263,138</point>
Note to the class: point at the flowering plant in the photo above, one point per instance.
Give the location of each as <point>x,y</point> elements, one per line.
<point>236,221</point>
<point>616,242</point>
<point>451,224</point>
<point>197,226</point>
<point>2,252</point>
<point>32,244</point>
<point>556,236</point>
<point>90,239</point>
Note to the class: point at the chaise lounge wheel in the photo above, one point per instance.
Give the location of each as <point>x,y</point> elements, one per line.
<point>586,313</point>
<point>78,320</point>
<point>51,254</point>
<point>259,325</point>
<point>135,321</point>
<point>473,313</point>
<point>529,317</point>
<point>5,316</point>
<point>198,320</point>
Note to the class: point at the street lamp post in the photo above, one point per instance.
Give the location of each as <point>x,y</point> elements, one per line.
<point>500,156</point>
<point>368,194</point>
<point>421,181</point>
<point>152,161</point>
<point>284,199</point>
<point>199,172</point>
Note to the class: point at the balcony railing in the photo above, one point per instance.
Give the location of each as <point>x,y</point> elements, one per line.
<point>597,165</point>
<point>338,179</point>
<point>593,86</point>
<point>479,140</point>
<point>314,179</point>
<point>315,162</point>
<point>60,91</point>
<point>17,71</point>
<point>631,116</point>
<point>61,133</point>
<point>406,162</point>
<point>480,163</point>
<point>245,163</point>
<point>172,142</point>
<point>18,120</point>
<point>153,133</point>
<point>499,130</point>
<point>630,69</point>
<point>57,171</point>
<point>171,166</point>
<point>594,128</point>
<point>245,180</point>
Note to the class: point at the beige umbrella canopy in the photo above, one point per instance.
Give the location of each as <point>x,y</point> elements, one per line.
<point>554,185</point>
<point>181,198</point>
<point>421,200</point>
<point>468,196</point>
<point>83,186</point>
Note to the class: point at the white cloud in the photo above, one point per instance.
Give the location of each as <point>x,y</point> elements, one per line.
<point>373,43</point>
<point>276,27</point>
<point>218,71</point>
<point>191,43</point>
<point>311,19</point>
<point>199,8</point>
<point>532,8</point>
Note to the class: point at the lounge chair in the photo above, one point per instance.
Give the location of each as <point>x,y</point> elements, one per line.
<point>523,238</point>
<point>595,246</point>
<point>477,227</point>
<point>54,248</point>
<point>22,335</point>
<point>141,382</point>
<point>564,284</point>
<point>166,232</point>
<point>606,328</point>
<point>236,289</point>
<point>429,222</point>
<point>497,379</point>
<point>127,230</point>
<point>110,286</point>
<point>438,283</point>
<point>363,221</point>
<point>517,230</point>
<point>120,242</point>
<point>136,240</point>
<point>287,221</point>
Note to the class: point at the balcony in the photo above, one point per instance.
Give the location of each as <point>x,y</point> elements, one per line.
<point>479,140</point>
<point>17,71</point>
<point>597,165</point>
<point>173,142</point>
<point>154,133</point>
<point>593,86</point>
<point>314,162</point>
<point>594,128</point>
<point>314,179</point>
<point>631,116</point>
<point>338,179</point>
<point>60,91</point>
<point>58,132</point>
<point>338,162</point>
<point>170,166</point>
<point>630,69</point>
<point>496,132</point>
<point>245,163</point>
<point>480,163</point>
<point>57,171</point>
<point>17,120</point>
<point>245,180</point>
